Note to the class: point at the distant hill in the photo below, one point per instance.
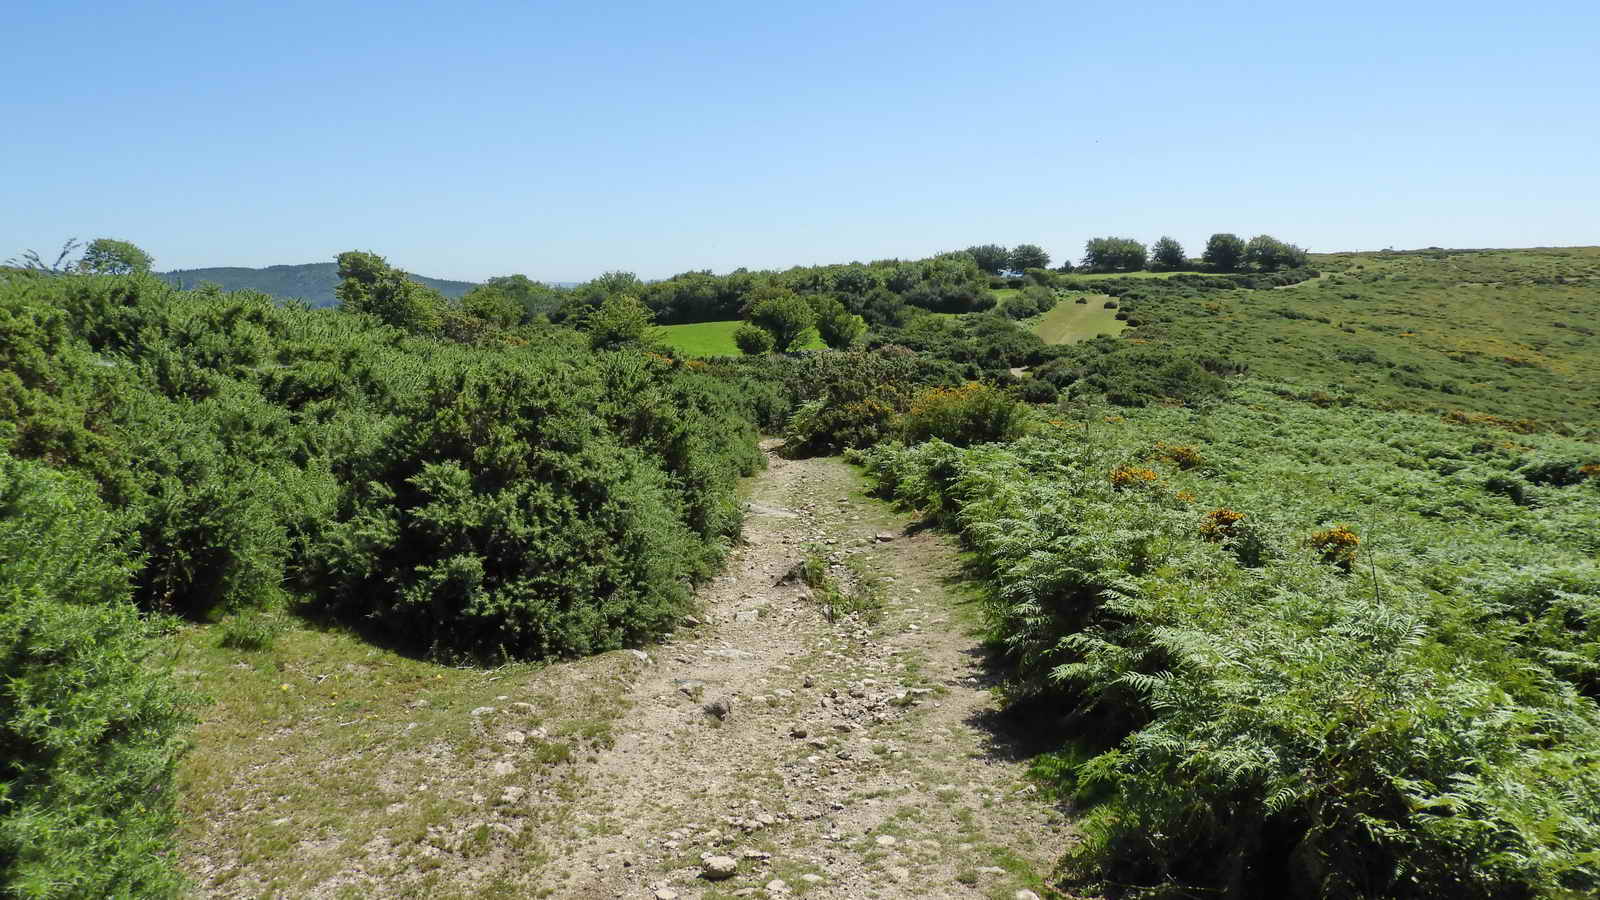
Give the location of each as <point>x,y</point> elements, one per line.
<point>311,282</point>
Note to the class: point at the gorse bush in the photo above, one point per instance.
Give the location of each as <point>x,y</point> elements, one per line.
<point>970,414</point>
<point>852,400</point>
<point>536,504</point>
<point>251,446</point>
<point>90,725</point>
<point>1252,720</point>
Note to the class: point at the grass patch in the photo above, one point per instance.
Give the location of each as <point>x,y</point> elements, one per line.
<point>707,339</point>
<point>1071,322</point>
<point>321,754</point>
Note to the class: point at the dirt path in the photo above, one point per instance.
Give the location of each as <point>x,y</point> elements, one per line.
<point>855,758</point>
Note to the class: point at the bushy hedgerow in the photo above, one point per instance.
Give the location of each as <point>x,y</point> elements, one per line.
<point>982,345</point>
<point>973,413</point>
<point>846,400</point>
<point>90,728</point>
<point>248,446</point>
<point>1420,726</point>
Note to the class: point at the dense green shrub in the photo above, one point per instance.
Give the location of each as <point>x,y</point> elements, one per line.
<point>973,413</point>
<point>535,504</point>
<point>846,400</point>
<point>89,727</point>
<point>1137,376</point>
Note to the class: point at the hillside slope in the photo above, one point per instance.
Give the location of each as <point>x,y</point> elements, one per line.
<point>311,282</point>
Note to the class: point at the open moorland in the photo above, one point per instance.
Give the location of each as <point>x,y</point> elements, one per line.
<point>1273,574</point>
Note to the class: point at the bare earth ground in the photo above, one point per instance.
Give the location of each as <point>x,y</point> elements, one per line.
<point>855,758</point>
<point>854,762</point>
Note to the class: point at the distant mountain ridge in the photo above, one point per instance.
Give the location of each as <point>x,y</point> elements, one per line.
<point>311,282</point>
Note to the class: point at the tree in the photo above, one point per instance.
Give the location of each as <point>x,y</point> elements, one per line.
<point>835,324</point>
<point>368,284</point>
<point>620,321</point>
<point>1271,254</point>
<point>1112,254</point>
<point>788,319</point>
<point>107,256</point>
<point>32,262</point>
<point>1224,252</point>
<point>991,258</point>
<point>751,340</point>
<point>535,298</point>
<point>493,305</point>
<point>1028,256</point>
<point>1167,255</point>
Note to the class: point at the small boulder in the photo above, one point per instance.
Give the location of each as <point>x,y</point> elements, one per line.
<point>722,707</point>
<point>717,868</point>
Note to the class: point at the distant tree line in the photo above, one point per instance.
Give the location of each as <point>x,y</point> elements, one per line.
<point>1224,253</point>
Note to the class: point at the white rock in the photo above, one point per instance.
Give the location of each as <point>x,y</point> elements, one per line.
<point>886,840</point>
<point>483,711</point>
<point>514,737</point>
<point>717,868</point>
<point>778,886</point>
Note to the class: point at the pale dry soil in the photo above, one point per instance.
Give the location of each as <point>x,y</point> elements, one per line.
<point>839,756</point>
<point>857,752</point>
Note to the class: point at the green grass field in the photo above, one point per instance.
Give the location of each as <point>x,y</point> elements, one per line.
<point>707,339</point>
<point>1070,322</point>
<point>1511,333</point>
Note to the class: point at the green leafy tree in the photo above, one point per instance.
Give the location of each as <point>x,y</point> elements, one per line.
<point>368,284</point>
<point>1112,254</point>
<point>837,326</point>
<point>752,341</point>
<point>620,321</point>
<point>1028,256</point>
<point>1166,255</point>
<point>535,298</point>
<point>494,305</point>
<point>788,318</point>
<point>1224,252</point>
<point>991,258</point>
<point>1270,254</point>
<point>106,256</point>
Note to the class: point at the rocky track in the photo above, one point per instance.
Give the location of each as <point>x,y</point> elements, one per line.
<point>773,749</point>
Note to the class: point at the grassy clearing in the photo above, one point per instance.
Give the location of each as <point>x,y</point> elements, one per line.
<point>707,339</point>
<point>327,765</point>
<point>1070,322</point>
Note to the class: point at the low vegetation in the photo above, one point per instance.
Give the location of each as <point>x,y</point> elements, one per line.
<point>1299,551</point>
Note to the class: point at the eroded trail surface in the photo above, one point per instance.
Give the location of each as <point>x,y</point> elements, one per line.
<point>848,758</point>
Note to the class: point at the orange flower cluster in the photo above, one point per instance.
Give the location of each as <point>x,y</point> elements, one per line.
<point>1592,470</point>
<point>1218,524</point>
<point>1132,476</point>
<point>1337,545</point>
<point>1180,455</point>
<point>937,397</point>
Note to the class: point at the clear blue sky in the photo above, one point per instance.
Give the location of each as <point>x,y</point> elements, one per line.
<point>468,139</point>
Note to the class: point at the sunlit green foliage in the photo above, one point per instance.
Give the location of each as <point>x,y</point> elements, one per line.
<point>1421,722</point>
<point>90,726</point>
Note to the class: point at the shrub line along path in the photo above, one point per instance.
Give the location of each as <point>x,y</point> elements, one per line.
<point>859,757</point>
